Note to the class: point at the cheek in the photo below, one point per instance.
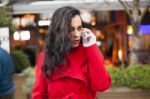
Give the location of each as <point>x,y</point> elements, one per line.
<point>71,36</point>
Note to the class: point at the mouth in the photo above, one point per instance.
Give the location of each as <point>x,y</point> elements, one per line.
<point>76,41</point>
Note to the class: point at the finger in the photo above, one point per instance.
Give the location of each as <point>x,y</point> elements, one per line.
<point>87,30</point>
<point>83,34</point>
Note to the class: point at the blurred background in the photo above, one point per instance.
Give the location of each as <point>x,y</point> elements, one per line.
<point>122,28</point>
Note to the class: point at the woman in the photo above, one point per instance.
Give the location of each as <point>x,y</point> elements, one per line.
<point>71,66</point>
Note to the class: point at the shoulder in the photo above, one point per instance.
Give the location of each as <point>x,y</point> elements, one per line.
<point>41,55</point>
<point>77,54</point>
<point>3,54</point>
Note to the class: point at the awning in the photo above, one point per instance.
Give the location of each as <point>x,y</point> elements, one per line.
<point>42,6</point>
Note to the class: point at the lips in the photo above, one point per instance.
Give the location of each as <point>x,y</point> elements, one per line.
<point>76,41</point>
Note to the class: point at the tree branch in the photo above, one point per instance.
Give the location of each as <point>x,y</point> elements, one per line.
<point>126,8</point>
<point>142,14</point>
<point>4,2</point>
<point>143,11</point>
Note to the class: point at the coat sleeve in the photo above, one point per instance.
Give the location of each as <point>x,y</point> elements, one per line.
<point>40,84</point>
<point>99,78</point>
<point>1,74</point>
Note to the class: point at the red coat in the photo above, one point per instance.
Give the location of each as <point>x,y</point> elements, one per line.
<point>84,76</point>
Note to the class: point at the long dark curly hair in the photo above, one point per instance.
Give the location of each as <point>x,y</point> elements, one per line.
<point>58,41</point>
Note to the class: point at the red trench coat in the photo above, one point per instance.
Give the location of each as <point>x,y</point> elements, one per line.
<point>83,76</point>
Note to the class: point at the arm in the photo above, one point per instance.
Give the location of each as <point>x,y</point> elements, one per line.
<point>99,78</point>
<point>40,84</point>
<point>1,75</point>
<point>1,68</point>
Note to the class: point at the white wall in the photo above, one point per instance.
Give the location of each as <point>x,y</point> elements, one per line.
<point>4,37</point>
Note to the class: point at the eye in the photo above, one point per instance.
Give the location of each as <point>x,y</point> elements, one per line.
<point>79,28</point>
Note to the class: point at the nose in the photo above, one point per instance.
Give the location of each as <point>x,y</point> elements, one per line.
<point>77,34</point>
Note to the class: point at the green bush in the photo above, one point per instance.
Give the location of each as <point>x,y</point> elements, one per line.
<point>20,60</point>
<point>118,76</point>
<point>138,76</point>
<point>132,76</point>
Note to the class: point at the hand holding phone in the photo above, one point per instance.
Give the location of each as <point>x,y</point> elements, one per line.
<point>85,36</point>
<point>88,38</point>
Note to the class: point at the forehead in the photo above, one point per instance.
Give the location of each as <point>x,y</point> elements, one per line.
<point>76,21</point>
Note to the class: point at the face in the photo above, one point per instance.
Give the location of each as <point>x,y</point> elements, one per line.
<point>76,27</point>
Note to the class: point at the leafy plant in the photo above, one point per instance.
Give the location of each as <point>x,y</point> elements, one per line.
<point>138,77</point>
<point>6,18</point>
<point>20,60</point>
<point>118,76</point>
<point>133,76</point>
<point>29,73</point>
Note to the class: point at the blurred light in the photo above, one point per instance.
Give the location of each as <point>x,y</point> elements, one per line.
<point>86,17</point>
<point>16,21</point>
<point>98,33</point>
<point>41,31</point>
<point>93,23</point>
<point>28,20</point>
<point>120,54</point>
<point>99,43</point>
<point>25,35</point>
<point>102,36</point>
<point>46,16</point>
<point>130,30</point>
<point>144,29</point>
<point>16,35</point>
<point>130,43</point>
<point>44,22</point>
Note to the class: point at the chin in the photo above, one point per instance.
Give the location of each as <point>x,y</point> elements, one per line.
<point>75,45</point>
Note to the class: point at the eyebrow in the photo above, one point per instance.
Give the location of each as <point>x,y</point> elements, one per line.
<point>78,26</point>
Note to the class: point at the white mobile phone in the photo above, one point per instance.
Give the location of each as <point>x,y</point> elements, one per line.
<point>85,36</point>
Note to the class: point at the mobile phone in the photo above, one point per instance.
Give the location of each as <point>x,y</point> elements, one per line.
<point>85,36</point>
